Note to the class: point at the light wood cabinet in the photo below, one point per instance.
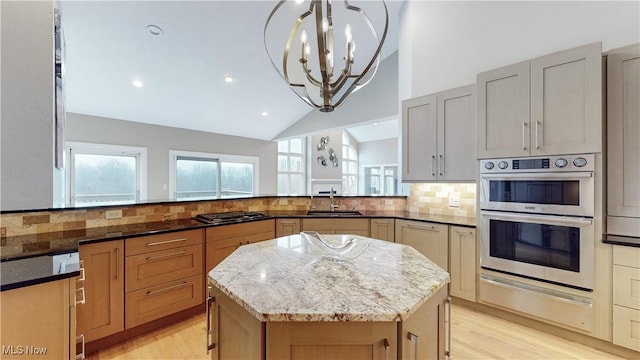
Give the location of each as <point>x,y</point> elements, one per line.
<point>623,131</point>
<point>38,321</point>
<point>626,297</point>
<point>550,105</point>
<point>221,241</point>
<point>430,239</point>
<point>438,142</point>
<point>103,312</point>
<point>383,229</point>
<point>286,227</point>
<point>462,262</point>
<point>357,226</point>
<point>163,275</point>
<point>236,334</point>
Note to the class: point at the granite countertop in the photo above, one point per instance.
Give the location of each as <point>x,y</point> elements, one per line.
<point>22,270</point>
<point>285,279</point>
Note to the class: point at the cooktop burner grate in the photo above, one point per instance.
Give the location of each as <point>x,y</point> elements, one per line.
<point>231,216</point>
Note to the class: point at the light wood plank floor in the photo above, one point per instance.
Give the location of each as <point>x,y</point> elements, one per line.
<point>474,336</point>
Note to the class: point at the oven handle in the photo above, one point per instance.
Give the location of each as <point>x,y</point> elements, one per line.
<point>546,219</point>
<point>540,176</point>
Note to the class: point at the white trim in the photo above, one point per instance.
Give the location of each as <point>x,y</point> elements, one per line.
<point>95,148</point>
<point>173,156</point>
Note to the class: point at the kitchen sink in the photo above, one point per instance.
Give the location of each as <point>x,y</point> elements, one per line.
<point>333,213</point>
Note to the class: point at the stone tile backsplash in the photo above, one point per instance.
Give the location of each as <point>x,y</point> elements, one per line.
<point>433,198</point>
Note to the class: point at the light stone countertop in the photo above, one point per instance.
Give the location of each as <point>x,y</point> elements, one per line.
<point>286,279</point>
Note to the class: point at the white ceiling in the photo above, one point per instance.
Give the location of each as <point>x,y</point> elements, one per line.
<point>108,46</point>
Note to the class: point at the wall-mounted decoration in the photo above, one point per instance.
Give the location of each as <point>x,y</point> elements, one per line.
<point>323,143</point>
<point>333,157</point>
<point>322,160</point>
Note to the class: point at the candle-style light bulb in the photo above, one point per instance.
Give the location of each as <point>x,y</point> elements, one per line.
<point>307,49</point>
<point>325,24</point>
<point>347,32</point>
<point>303,37</point>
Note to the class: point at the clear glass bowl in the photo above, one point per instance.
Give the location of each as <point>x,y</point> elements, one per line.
<point>336,247</point>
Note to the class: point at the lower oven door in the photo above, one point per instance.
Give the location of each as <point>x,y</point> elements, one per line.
<point>557,249</point>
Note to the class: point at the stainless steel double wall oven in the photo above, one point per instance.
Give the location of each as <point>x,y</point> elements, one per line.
<point>536,217</point>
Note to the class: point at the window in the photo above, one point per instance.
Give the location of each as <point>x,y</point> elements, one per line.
<point>291,174</point>
<point>102,174</point>
<point>381,180</point>
<point>349,167</point>
<point>196,176</point>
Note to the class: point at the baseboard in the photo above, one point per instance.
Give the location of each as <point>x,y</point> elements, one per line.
<point>550,329</point>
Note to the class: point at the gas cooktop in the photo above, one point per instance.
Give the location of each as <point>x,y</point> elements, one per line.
<point>228,217</point>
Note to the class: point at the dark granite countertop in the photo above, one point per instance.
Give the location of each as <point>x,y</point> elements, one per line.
<point>621,240</point>
<point>36,262</point>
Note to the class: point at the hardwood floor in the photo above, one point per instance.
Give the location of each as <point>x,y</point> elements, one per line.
<point>474,336</point>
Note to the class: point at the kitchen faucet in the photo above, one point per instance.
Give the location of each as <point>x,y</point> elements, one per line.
<point>332,206</point>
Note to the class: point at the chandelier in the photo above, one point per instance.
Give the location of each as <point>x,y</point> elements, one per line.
<point>310,51</point>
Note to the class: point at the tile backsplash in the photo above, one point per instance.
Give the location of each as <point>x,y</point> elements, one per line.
<point>433,198</point>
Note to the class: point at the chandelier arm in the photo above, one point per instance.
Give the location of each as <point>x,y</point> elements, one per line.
<point>292,34</point>
<point>312,79</point>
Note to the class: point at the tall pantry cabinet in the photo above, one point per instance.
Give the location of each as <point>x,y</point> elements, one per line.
<point>623,145</point>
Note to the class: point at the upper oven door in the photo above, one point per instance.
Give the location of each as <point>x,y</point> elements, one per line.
<point>546,193</point>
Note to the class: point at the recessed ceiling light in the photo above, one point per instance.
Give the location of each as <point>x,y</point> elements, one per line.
<point>264,113</point>
<point>154,30</point>
<point>228,79</point>
<point>375,124</point>
<point>137,83</point>
<point>299,1</point>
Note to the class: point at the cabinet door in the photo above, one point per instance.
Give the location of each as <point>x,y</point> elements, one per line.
<point>462,265</point>
<point>425,334</point>
<point>566,102</point>
<point>103,312</point>
<point>623,119</point>
<point>456,134</point>
<point>286,227</point>
<point>418,139</point>
<point>334,340</point>
<point>503,111</point>
<point>428,238</point>
<point>236,334</point>
<point>383,229</point>
<point>35,321</point>
<point>218,250</point>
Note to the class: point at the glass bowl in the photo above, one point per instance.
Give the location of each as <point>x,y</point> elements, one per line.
<point>336,247</point>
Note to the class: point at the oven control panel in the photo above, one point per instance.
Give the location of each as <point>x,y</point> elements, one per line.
<point>582,162</point>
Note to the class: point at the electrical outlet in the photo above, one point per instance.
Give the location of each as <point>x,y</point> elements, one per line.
<point>388,202</point>
<point>454,201</point>
<point>113,214</point>
<point>283,202</point>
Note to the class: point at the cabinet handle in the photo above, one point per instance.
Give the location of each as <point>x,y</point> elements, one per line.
<point>431,228</point>
<point>166,255</point>
<point>82,354</point>
<point>464,232</point>
<point>82,277</point>
<point>117,262</point>
<point>210,300</point>
<point>447,349</point>
<point>524,126</point>
<point>441,165</point>
<point>433,165</point>
<point>537,146</point>
<point>386,349</point>
<point>83,301</point>
<point>149,293</point>
<point>166,242</point>
<point>413,338</point>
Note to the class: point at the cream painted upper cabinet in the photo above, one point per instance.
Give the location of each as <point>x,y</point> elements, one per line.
<point>623,124</point>
<point>550,105</point>
<point>437,136</point>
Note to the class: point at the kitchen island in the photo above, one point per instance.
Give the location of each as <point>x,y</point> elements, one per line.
<point>282,299</point>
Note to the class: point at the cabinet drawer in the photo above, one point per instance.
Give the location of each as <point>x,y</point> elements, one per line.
<point>267,235</point>
<point>228,231</point>
<point>626,255</point>
<point>158,301</point>
<point>626,286</point>
<point>158,267</point>
<point>158,242</point>
<point>626,327</point>
<point>338,226</point>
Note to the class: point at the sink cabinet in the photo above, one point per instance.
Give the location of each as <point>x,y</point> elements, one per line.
<point>359,226</point>
<point>550,105</point>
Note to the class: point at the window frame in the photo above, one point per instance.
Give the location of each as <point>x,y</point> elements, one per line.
<point>383,184</point>
<point>303,161</point>
<point>220,158</point>
<point>346,145</point>
<point>76,147</point>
